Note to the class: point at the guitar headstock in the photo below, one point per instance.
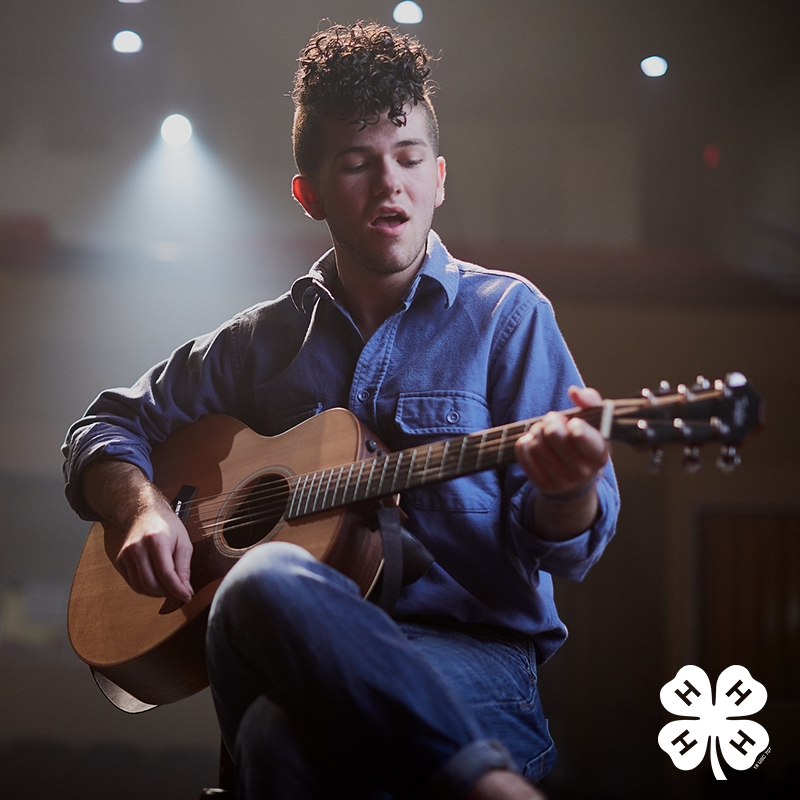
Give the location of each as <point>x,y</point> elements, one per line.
<point>726,412</point>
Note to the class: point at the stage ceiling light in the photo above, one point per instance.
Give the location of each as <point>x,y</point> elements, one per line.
<point>127,42</point>
<point>176,130</point>
<point>654,66</point>
<point>407,13</point>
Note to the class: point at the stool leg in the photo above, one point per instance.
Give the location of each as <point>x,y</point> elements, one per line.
<point>227,777</point>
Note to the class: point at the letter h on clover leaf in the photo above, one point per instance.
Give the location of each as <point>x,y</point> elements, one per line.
<point>738,696</point>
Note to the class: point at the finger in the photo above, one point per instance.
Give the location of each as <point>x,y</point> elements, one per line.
<point>183,561</point>
<point>566,460</point>
<point>131,577</point>
<point>164,567</point>
<point>140,573</point>
<point>585,397</point>
<point>587,442</point>
<point>542,465</point>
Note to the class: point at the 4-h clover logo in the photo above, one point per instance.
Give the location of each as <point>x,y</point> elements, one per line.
<point>738,696</point>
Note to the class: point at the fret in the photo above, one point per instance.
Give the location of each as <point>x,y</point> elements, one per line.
<point>339,472</point>
<point>327,489</point>
<point>347,484</point>
<point>293,483</point>
<point>427,462</point>
<point>383,475</point>
<point>358,482</point>
<point>310,492</point>
<point>461,455</point>
<point>315,491</point>
<point>481,446</point>
<point>299,495</point>
<point>502,445</point>
<point>444,457</point>
<point>411,468</point>
<point>396,472</point>
<point>373,461</point>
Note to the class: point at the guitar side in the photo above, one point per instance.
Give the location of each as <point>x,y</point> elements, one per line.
<point>154,648</point>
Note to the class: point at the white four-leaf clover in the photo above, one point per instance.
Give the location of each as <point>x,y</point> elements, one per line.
<point>738,695</point>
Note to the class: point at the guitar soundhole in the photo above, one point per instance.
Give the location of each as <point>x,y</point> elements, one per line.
<point>259,509</point>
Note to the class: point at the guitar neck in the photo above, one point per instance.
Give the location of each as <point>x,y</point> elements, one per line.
<point>691,416</point>
<point>385,475</point>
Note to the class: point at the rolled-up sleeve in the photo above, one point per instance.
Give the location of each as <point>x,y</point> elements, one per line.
<point>201,377</point>
<point>572,557</point>
<point>534,370</point>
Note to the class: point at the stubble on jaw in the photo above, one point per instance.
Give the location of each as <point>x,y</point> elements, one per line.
<point>380,263</point>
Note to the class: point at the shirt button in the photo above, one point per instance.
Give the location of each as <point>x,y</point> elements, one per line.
<point>363,396</point>
<point>452,417</point>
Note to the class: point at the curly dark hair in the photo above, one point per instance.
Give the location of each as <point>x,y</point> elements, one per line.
<point>355,73</point>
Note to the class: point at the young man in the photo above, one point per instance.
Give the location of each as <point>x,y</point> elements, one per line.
<point>318,691</point>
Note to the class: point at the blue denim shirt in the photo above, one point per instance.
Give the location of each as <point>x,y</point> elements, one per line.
<point>468,349</point>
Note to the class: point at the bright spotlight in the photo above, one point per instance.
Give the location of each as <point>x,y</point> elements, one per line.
<point>127,42</point>
<point>654,67</point>
<point>407,13</point>
<point>176,129</point>
<point>131,1</point>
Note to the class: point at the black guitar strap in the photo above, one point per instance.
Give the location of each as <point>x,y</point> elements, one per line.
<point>405,558</point>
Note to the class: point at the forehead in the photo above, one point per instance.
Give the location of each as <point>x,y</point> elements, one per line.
<point>341,137</point>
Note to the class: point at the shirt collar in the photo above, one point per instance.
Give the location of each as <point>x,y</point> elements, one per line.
<point>438,267</point>
<point>319,281</point>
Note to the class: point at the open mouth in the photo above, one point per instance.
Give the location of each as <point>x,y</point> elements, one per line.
<point>389,221</point>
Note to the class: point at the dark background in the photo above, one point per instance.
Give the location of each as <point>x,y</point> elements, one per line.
<point>567,165</point>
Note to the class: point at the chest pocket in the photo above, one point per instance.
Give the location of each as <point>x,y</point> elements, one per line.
<point>425,417</point>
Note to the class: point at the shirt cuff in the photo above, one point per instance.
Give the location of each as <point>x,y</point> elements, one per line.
<point>99,441</point>
<point>570,558</point>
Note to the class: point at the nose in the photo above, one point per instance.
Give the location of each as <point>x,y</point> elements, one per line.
<point>387,179</point>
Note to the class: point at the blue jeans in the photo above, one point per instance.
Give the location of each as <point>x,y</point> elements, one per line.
<point>318,691</point>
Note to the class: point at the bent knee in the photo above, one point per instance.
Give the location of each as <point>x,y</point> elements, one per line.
<point>266,572</point>
<point>278,579</point>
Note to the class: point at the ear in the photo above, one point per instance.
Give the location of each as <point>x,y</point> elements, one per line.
<point>441,168</point>
<point>305,194</point>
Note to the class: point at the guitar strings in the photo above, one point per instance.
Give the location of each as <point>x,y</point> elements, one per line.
<point>262,503</point>
<point>271,501</point>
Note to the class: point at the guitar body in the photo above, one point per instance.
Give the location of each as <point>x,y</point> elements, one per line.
<point>154,648</point>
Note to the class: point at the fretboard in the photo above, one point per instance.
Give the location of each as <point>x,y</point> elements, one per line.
<point>384,475</point>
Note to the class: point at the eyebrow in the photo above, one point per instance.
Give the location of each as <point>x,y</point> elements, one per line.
<point>362,148</point>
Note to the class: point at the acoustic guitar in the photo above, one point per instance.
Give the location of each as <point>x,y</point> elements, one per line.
<point>235,489</point>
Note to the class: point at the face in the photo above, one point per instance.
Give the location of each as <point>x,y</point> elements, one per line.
<point>377,189</point>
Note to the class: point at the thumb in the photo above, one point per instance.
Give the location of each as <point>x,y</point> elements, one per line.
<point>585,397</point>
<point>183,558</point>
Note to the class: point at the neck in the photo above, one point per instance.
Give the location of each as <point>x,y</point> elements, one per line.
<point>372,297</point>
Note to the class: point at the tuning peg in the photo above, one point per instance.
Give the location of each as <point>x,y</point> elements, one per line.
<point>721,428</point>
<point>663,388</point>
<point>656,457</point>
<point>701,383</point>
<point>735,379</point>
<point>691,458</point>
<point>728,458</point>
